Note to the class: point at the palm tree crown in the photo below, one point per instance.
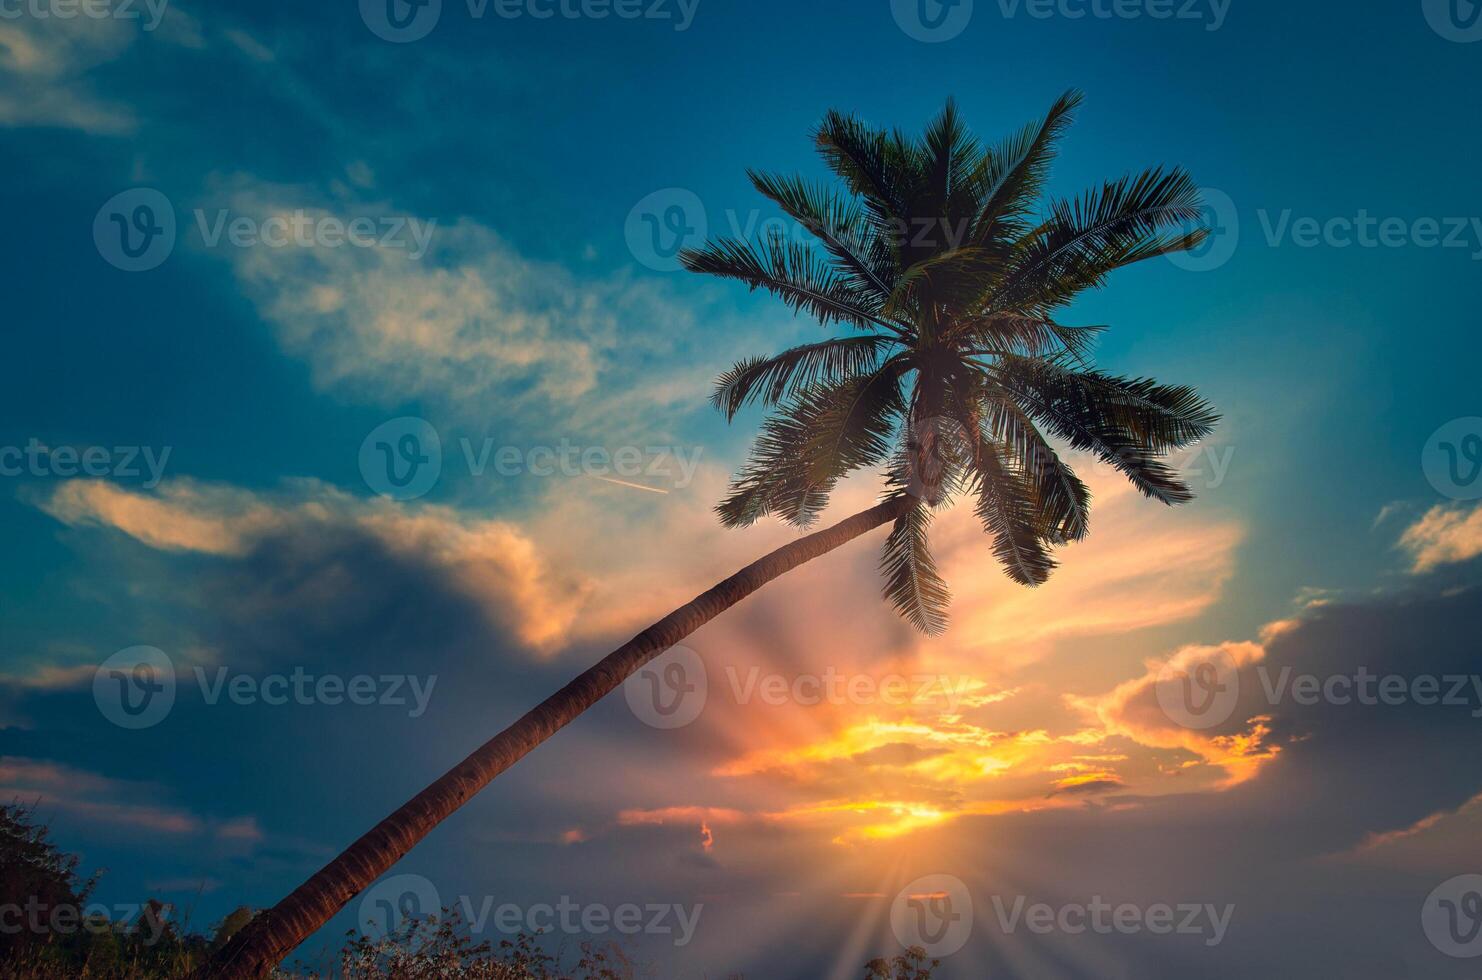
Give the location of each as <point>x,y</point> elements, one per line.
<point>939,255</point>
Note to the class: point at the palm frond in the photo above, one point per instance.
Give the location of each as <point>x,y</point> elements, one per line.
<point>1129,423</point>
<point>771,379</point>
<point>1010,176</point>
<point>912,583</point>
<point>1061,503</point>
<point>949,155</point>
<point>809,443</point>
<point>869,162</point>
<point>1086,238</point>
<point>1032,336</point>
<point>794,273</point>
<point>1006,509</point>
<point>950,276</point>
<point>839,222</point>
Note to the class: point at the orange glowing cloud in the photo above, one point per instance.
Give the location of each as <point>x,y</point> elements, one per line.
<point>1443,536</point>
<point>1132,709</point>
<point>492,562</point>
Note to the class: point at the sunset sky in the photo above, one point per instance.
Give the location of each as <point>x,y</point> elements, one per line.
<point>1024,754</point>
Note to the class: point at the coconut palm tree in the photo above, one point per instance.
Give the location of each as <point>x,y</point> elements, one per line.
<point>947,270</point>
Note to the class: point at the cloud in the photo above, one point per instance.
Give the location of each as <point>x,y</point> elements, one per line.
<point>1142,565</point>
<point>489,561</point>
<point>1443,536</point>
<point>469,320</point>
<point>95,798</point>
<point>183,516</point>
<point>1132,709</point>
<point>50,677</point>
<point>45,62</point>
<point>248,45</point>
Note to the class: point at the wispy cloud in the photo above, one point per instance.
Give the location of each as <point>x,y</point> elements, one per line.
<point>1444,535</point>
<point>469,321</point>
<point>120,803</point>
<point>45,65</point>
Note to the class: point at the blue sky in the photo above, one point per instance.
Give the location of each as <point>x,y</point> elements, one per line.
<point>523,146</point>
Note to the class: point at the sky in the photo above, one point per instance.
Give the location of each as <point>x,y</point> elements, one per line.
<point>255,248</point>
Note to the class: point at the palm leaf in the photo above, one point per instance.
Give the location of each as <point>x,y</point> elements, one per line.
<point>792,272</point>
<point>1011,175</point>
<point>809,443</point>
<point>1033,336</point>
<point>771,379</point>
<point>912,582</point>
<point>1086,238</point>
<point>1127,423</point>
<point>839,223</point>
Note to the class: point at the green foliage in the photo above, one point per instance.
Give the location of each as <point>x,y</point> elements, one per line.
<point>33,872</point>
<point>440,947</point>
<point>60,933</point>
<point>910,965</point>
<point>943,256</point>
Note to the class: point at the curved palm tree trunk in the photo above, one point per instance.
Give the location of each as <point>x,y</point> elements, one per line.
<point>271,936</point>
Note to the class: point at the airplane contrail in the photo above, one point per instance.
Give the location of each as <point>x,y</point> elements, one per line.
<point>625,483</point>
